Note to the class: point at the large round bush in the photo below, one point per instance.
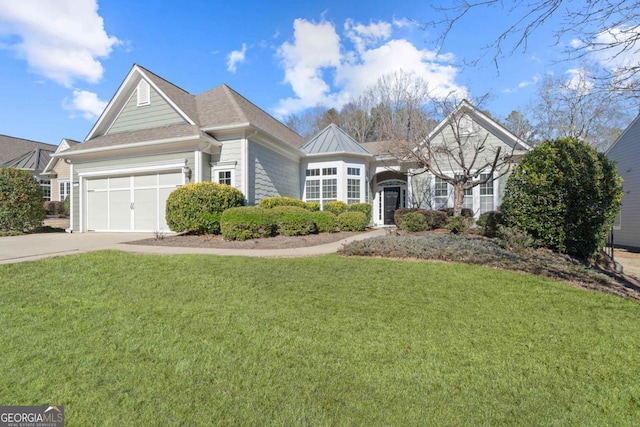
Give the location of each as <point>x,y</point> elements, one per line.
<point>565,195</point>
<point>21,204</point>
<point>336,207</point>
<point>275,201</point>
<point>196,208</point>
<point>247,222</point>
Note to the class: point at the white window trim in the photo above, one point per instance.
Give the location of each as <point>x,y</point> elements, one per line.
<point>63,181</point>
<point>223,167</point>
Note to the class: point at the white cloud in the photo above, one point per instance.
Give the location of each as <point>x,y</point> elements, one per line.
<point>619,56</point>
<point>87,103</point>
<point>235,57</point>
<point>363,36</point>
<point>535,79</point>
<point>62,40</point>
<point>321,71</point>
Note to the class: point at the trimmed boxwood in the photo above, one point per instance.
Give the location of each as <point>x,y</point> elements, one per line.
<point>466,212</point>
<point>489,221</point>
<point>247,222</point>
<point>294,221</point>
<point>353,221</point>
<point>365,208</point>
<point>312,206</point>
<point>336,207</point>
<point>21,207</point>
<point>326,222</point>
<point>196,208</point>
<point>434,219</point>
<point>413,222</point>
<point>272,202</point>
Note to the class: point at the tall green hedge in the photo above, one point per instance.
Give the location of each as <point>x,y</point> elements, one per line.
<point>21,204</point>
<point>564,194</point>
<point>196,208</point>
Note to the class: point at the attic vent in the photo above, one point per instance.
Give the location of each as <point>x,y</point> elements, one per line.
<point>143,93</point>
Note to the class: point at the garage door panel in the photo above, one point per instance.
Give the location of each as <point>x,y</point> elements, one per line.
<point>98,205</point>
<point>130,203</point>
<point>145,209</point>
<point>120,210</point>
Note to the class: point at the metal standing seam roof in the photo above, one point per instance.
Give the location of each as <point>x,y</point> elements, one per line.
<point>35,160</point>
<point>11,148</point>
<point>332,139</point>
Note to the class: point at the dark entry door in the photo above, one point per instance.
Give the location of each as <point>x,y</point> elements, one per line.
<point>391,203</point>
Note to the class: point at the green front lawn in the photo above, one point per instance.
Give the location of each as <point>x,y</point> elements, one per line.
<point>122,339</point>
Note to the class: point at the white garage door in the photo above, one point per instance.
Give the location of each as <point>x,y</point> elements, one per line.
<point>129,203</point>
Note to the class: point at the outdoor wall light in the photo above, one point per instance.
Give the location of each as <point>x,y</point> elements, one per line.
<point>186,170</point>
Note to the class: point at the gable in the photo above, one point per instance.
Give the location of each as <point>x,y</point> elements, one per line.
<point>136,115</point>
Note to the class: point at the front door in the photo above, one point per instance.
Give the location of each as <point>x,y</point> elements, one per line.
<point>391,203</point>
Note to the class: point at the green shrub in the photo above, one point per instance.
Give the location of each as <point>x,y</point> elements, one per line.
<point>326,222</point>
<point>489,221</point>
<point>564,194</point>
<point>458,224</point>
<point>466,212</point>
<point>247,222</point>
<point>353,221</point>
<point>434,219</point>
<point>514,240</point>
<point>52,207</point>
<point>294,221</point>
<point>196,208</point>
<point>312,206</point>
<point>67,206</point>
<point>413,222</point>
<point>336,207</point>
<point>272,202</point>
<point>21,207</point>
<point>365,208</point>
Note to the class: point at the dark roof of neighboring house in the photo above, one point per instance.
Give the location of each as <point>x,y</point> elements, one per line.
<point>11,147</point>
<point>332,139</point>
<point>35,160</point>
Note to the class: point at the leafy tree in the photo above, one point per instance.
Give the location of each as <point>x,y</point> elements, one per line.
<point>21,201</point>
<point>565,194</point>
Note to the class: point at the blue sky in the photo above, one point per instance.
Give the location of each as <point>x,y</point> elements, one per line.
<point>62,60</point>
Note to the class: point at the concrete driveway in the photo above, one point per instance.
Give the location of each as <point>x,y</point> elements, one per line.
<point>37,246</point>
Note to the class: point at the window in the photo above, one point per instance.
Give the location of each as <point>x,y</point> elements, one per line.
<point>313,172</point>
<point>329,171</point>
<point>486,194</point>
<point>440,193</point>
<point>45,184</point>
<point>329,190</point>
<point>353,191</point>
<point>224,177</point>
<point>64,189</point>
<point>313,190</point>
<point>353,171</point>
<point>143,93</point>
<point>468,199</point>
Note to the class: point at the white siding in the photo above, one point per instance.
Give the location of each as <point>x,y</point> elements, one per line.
<point>626,152</point>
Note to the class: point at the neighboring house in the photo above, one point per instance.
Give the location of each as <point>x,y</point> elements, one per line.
<point>626,152</point>
<point>28,155</point>
<point>154,137</point>
<point>58,171</point>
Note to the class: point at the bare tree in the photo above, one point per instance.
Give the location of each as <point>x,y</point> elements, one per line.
<point>609,29</point>
<point>307,124</point>
<point>520,126</point>
<point>568,106</point>
<point>461,151</point>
